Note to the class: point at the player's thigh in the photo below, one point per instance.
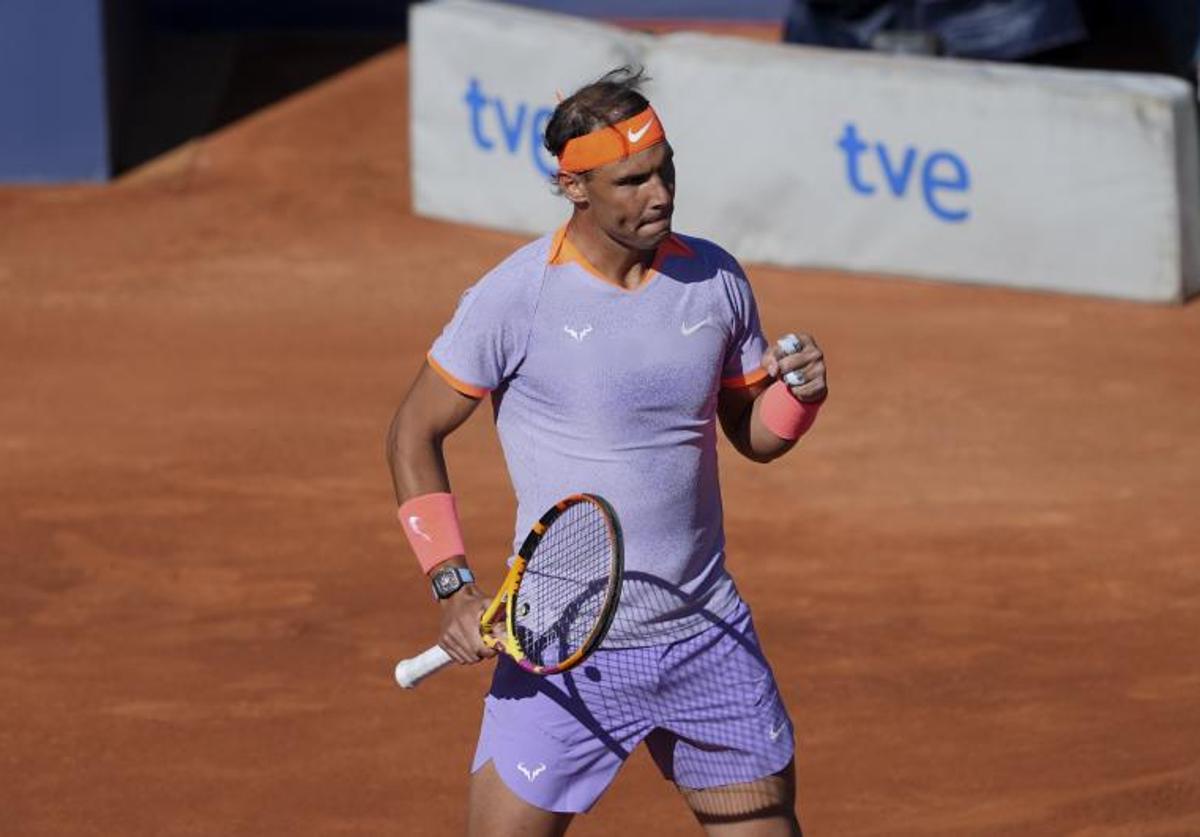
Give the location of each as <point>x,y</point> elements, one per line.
<point>495,811</point>
<point>762,807</point>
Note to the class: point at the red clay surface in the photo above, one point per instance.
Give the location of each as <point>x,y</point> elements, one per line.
<point>979,581</point>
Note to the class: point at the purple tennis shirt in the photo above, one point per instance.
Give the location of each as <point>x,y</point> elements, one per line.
<point>601,389</point>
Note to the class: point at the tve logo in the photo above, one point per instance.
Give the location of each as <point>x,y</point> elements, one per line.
<point>943,173</point>
<point>517,126</point>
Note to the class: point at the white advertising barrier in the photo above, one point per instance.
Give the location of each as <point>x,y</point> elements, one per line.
<point>963,171</point>
<point>967,171</point>
<point>484,78</point>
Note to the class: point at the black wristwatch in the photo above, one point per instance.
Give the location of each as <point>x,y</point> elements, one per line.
<point>449,580</point>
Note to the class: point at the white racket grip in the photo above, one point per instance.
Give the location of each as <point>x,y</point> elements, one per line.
<point>412,671</point>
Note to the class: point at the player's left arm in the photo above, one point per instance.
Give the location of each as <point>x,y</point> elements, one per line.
<point>766,419</point>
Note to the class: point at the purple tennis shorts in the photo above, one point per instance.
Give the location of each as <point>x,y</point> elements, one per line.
<point>707,707</point>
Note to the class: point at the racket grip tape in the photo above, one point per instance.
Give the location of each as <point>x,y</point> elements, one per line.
<point>412,671</point>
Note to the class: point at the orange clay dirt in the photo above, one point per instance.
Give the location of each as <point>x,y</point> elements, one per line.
<point>978,580</point>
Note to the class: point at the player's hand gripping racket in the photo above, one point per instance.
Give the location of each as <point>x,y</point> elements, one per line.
<point>559,596</point>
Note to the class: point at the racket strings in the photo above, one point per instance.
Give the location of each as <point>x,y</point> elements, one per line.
<point>562,596</point>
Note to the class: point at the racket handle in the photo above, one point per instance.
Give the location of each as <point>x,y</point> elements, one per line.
<point>412,671</point>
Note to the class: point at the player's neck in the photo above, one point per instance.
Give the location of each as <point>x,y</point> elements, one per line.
<point>613,260</point>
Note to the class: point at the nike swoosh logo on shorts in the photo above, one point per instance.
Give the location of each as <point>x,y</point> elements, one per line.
<point>634,136</point>
<point>778,731</point>
<point>687,330</point>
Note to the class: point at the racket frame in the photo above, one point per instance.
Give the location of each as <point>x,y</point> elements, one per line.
<point>510,589</point>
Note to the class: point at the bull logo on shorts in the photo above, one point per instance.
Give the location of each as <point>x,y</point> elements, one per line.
<point>530,774</point>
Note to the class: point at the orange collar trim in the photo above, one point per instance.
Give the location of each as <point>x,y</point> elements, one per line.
<point>563,251</point>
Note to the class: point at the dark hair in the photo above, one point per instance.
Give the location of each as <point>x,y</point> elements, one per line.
<point>606,101</point>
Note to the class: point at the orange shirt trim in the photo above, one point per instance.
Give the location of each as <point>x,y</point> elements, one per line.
<point>563,251</point>
<point>462,386</point>
<point>747,380</point>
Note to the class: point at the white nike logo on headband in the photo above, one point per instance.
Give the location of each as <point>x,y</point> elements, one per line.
<point>634,136</point>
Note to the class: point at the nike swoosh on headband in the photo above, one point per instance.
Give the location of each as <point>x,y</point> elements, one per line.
<point>634,136</point>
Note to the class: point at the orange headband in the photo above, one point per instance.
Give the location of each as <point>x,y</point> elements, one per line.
<point>612,142</point>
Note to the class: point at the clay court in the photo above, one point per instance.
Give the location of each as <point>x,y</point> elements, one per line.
<point>979,580</point>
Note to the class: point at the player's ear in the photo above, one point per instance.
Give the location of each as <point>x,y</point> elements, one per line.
<point>574,186</point>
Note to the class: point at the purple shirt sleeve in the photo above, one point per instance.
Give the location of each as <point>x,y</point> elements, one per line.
<point>484,341</point>
<point>743,356</point>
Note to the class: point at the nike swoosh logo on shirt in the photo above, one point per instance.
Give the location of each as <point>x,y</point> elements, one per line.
<point>778,731</point>
<point>634,136</point>
<point>687,330</point>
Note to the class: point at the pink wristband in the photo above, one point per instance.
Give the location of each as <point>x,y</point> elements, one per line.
<point>784,415</point>
<point>431,523</point>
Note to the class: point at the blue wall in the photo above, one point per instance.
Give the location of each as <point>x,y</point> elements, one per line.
<point>90,88</point>
<point>53,91</point>
<point>279,14</point>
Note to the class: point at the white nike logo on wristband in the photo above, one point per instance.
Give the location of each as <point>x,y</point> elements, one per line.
<point>414,523</point>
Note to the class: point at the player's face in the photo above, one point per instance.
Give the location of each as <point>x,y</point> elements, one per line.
<point>632,200</point>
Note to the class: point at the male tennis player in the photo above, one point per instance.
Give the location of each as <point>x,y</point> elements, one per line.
<point>610,349</point>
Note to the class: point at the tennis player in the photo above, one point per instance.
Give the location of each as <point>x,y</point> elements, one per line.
<point>611,349</point>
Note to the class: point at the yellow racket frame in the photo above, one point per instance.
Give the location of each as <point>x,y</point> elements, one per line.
<point>506,597</point>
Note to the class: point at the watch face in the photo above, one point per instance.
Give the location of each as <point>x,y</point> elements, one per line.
<point>446,581</point>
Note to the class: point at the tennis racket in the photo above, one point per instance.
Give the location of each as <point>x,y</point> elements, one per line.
<point>558,598</point>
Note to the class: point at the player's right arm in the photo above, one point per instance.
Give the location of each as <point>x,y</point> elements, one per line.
<point>430,412</point>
